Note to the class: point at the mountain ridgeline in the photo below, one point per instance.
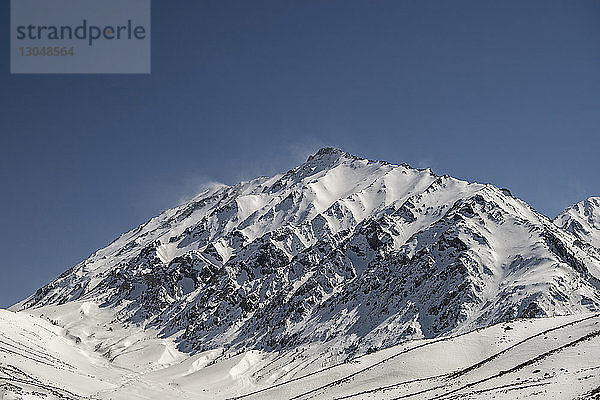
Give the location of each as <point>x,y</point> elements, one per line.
<point>362,253</point>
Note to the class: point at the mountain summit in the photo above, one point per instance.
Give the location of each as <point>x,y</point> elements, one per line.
<point>358,253</point>
<point>340,278</point>
<point>583,220</point>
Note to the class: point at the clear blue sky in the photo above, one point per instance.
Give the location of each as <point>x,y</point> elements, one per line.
<point>506,92</point>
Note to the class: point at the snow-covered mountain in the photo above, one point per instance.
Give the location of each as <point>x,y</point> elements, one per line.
<point>341,278</point>
<point>583,220</point>
<point>357,253</point>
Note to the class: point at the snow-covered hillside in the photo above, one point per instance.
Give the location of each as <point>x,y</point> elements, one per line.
<point>334,259</point>
<point>545,358</point>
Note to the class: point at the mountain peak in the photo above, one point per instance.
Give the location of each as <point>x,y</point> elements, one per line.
<point>339,256</point>
<point>583,220</point>
<point>278,262</point>
<point>327,152</point>
<point>587,207</point>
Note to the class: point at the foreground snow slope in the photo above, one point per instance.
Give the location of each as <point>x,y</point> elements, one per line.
<point>546,358</point>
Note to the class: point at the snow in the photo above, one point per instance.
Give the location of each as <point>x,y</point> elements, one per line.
<point>540,358</point>
<point>583,219</point>
<point>282,285</point>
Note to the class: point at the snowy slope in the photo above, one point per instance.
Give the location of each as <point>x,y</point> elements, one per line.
<point>547,358</point>
<point>583,220</point>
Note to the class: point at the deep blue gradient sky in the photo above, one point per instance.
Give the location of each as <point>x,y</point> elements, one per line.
<point>506,92</point>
